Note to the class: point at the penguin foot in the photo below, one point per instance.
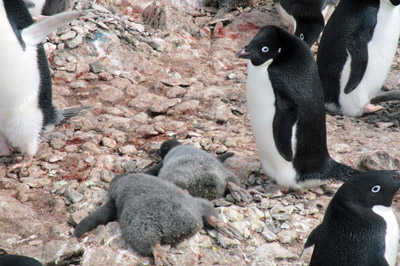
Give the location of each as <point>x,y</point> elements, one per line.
<point>4,148</point>
<point>160,257</point>
<point>239,193</point>
<point>224,228</point>
<point>291,29</point>
<point>25,163</point>
<point>370,108</point>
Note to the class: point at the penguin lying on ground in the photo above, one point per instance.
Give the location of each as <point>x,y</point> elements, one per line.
<point>39,8</point>
<point>16,260</point>
<point>356,52</point>
<point>198,172</point>
<point>26,107</point>
<point>306,18</point>
<point>151,212</point>
<point>359,227</point>
<point>286,108</point>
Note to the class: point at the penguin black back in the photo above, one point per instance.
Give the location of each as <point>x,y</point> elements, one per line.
<point>17,260</point>
<point>359,227</point>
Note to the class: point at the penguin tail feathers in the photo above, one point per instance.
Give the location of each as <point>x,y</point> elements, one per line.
<point>225,156</point>
<point>342,172</point>
<point>392,95</point>
<point>67,114</point>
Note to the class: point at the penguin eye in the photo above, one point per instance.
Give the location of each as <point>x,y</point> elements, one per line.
<point>302,36</point>
<point>376,189</point>
<point>265,49</point>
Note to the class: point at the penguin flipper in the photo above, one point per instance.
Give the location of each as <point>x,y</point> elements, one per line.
<point>37,32</point>
<point>103,215</point>
<point>224,156</point>
<point>286,116</point>
<point>312,238</point>
<point>358,50</point>
<point>155,169</point>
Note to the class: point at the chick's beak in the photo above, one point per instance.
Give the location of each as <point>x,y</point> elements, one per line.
<point>243,54</point>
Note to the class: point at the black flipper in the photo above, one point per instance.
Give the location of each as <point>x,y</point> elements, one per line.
<point>358,49</point>
<point>312,238</point>
<point>105,214</point>
<point>71,112</point>
<point>286,115</point>
<point>154,170</point>
<point>225,156</point>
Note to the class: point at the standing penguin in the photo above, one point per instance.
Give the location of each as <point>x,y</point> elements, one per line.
<point>198,172</point>
<point>359,227</point>
<point>151,212</point>
<point>356,52</point>
<point>305,17</point>
<point>26,107</point>
<point>286,109</point>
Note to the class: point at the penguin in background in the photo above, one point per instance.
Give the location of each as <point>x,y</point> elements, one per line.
<point>356,52</point>
<point>152,212</point>
<point>26,108</point>
<point>306,18</point>
<point>40,8</point>
<point>286,109</point>
<point>359,227</point>
<point>17,260</point>
<point>198,172</point>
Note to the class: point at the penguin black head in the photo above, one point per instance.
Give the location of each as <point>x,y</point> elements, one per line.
<point>370,189</point>
<point>395,2</point>
<point>263,47</point>
<point>308,28</point>
<point>167,145</point>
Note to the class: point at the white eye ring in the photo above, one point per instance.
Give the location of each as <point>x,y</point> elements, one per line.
<point>302,36</point>
<point>376,189</point>
<point>265,49</point>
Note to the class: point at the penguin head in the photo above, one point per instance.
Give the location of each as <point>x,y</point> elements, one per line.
<point>370,189</point>
<point>395,2</point>
<point>167,145</point>
<point>263,47</point>
<point>309,30</point>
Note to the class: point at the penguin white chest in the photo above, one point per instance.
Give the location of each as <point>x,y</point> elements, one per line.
<point>261,103</point>
<point>392,232</point>
<point>381,51</point>
<point>289,19</point>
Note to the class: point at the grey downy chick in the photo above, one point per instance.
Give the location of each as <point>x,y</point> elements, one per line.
<point>152,212</point>
<point>201,174</point>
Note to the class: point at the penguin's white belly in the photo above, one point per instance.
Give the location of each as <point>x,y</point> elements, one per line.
<point>381,51</point>
<point>261,104</point>
<point>289,19</point>
<point>392,232</point>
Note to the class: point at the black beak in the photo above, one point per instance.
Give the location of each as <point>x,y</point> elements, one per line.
<point>243,54</point>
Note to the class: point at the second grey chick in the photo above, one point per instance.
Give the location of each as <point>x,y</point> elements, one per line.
<point>151,212</point>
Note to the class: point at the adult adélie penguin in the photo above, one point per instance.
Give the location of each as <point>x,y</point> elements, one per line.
<point>26,108</point>
<point>286,108</point>
<point>356,52</point>
<point>359,227</point>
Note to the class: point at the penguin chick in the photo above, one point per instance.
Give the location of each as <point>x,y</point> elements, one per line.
<point>286,109</point>
<point>198,172</point>
<point>304,17</point>
<point>26,108</point>
<point>17,260</point>
<point>359,227</point>
<point>151,212</point>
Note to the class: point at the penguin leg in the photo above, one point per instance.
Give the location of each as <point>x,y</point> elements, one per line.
<point>238,193</point>
<point>26,162</point>
<point>160,257</point>
<point>370,108</point>
<point>224,228</point>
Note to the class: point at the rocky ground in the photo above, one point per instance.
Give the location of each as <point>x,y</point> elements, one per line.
<point>150,73</point>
